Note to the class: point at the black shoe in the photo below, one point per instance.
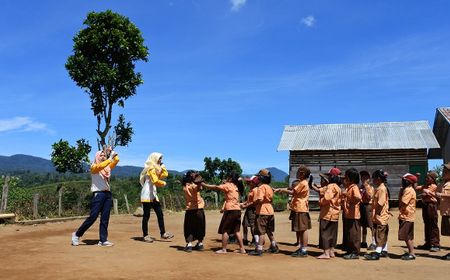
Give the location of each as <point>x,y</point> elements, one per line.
<point>374,256</point>
<point>188,249</point>
<point>446,257</point>
<point>408,257</point>
<point>363,244</point>
<point>245,241</point>
<point>299,253</point>
<point>273,249</point>
<point>255,253</point>
<point>424,247</point>
<point>435,249</point>
<point>198,247</point>
<point>351,256</point>
<point>372,247</point>
<point>384,254</point>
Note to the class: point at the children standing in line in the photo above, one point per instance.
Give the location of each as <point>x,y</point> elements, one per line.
<point>330,206</point>
<point>444,196</point>
<point>366,210</point>
<point>407,209</point>
<point>352,226</point>
<point>250,211</point>
<point>380,215</point>
<point>429,213</point>
<point>231,219</point>
<point>265,220</point>
<point>194,218</point>
<point>151,179</point>
<point>301,221</point>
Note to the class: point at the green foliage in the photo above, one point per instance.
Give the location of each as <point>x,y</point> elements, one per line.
<point>438,169</point>
<point>216,170</point>
<point>103,64</point>
<point>123,132</point>
<point>68,158</point>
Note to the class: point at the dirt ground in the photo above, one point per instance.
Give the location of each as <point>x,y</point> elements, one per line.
<point>44,252</point>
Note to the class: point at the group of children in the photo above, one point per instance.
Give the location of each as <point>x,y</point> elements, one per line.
<point>365,208</point>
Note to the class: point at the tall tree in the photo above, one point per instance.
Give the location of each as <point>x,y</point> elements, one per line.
<point>215,169</point>
<point>103,64</point>
<point>67,158</point>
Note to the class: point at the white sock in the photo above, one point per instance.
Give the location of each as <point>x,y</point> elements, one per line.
<point>373,240</point>
<point>303,249</point>
<point>273,243</point>
<point>199,243</point>
<point>260,247</point>
<point>256,239</point>
<point>379,249</point>
<point>189,244</point>
<point>385,248</point>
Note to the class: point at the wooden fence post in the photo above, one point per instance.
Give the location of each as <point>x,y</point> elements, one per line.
<point>60,190</point>
<point>116,208</point>
<point>164,202</point>
<point>35,205</point>
<point>126,202</point>
<point>4,201</point>
<point>216,199</point>
<point>170,199</point>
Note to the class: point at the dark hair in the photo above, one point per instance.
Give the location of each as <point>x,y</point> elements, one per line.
<point>305,170</point>
<point>364,173</point>
<point>353,175</point>
<point>234,177</point>
<point>265,179</point>
<point>380,174</point>
<point>187,177</point>
<point>335,180</point>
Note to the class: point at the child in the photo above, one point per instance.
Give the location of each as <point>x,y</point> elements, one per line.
<point>250,211</point>
<point>352,227</point>
<point>330,206</point>
<point>444,196</point>
<point>101,201</point>
<point>265,220</point>
<point>301,221</point>
<point>151,179</point>
<point>194,218</point>
<point>380,215</point>
<point>429,213</point>
<point>366,209</point>
<point>231,219</point>
<point>407,209</point>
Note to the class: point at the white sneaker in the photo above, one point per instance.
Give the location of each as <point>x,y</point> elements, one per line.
<point>105,244</point>
<point>75,239</point>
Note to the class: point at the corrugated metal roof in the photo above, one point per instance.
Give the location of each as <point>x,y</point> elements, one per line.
<point>360,136</point>
<point>445,111</point>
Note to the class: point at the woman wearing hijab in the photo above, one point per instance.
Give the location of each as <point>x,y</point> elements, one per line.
<point>101,201</point>
<point>150,179</point>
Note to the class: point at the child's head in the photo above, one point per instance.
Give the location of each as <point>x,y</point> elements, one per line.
<point>234,178</point>
<point>252,182</point>
<point>264,176</point>
<point>293,184</point>
<point>188,177</point>
<point>408,180</point>
<point>446,172</point>
<point>431,178</point>
<point>324,179</point>
<point>303,172</point>
<point>379,176</point>
<point>364,175</point>
<point>351,176</point>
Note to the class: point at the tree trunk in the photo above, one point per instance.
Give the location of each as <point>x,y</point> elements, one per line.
<point>35,206</point>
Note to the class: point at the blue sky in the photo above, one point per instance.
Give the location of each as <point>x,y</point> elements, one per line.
<point>224,77</point>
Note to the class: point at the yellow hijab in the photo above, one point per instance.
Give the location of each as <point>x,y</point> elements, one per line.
<point>150,163</point>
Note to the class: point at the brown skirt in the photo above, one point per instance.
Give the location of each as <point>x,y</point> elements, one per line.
<point>405,230</point>
<point>445,226</point>
<point>366,215</point>
<point>194,225</point>
<point>353,235</point>
<point>264,224</point>
<point>328,234</point>
<point>300,221</point>
<point>249,218</point>
<point>231,222</point>
<point>381,234</point>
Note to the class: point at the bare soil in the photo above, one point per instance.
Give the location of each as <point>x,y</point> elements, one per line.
<point>44,251</point>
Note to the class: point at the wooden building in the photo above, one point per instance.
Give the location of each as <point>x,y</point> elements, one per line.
<point>396,147</point>
<point>441,130</point>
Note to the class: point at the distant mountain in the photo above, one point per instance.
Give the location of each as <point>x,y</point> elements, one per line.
<point>40,165</point>
<point>277,174</point>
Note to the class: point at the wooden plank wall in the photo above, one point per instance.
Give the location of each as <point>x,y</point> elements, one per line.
<point>395,162</point>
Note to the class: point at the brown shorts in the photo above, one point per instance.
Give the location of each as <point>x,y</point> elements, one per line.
<point>300,221</point>
<point>264,224</point>
<point>231,222</point>
<point>249,217</point>
<point>445,226</point>
<point>352,230</point>
<point>328,234</point>
<point>366,215</point>
<point>405,230</point>
<point>194,225</point>
<point>381,234</point>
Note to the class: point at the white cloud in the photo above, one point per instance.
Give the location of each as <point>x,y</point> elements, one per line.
<point>236,5</point>
<point>23,124</point>
<point>309,21</point>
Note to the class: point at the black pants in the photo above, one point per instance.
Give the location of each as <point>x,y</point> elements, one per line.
<point>159,214</point>
<point>430,219</point>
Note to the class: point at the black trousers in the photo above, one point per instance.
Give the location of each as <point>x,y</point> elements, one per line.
<point>159,214</point>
